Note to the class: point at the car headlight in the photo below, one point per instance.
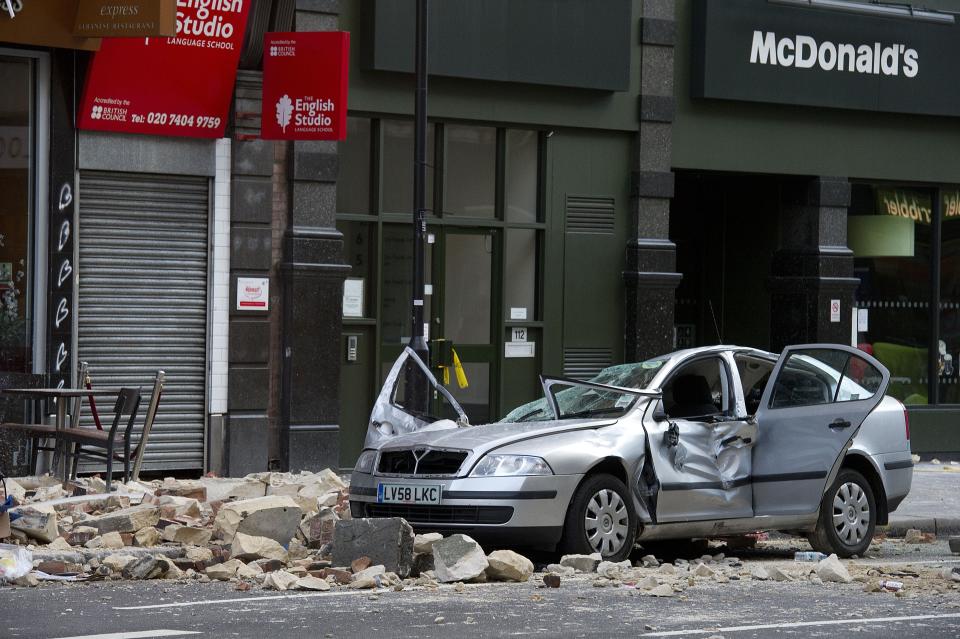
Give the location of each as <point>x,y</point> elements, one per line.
<point>365,462</point>
<point>511,466</point>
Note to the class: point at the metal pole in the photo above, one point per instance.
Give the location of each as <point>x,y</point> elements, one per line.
<point>934,357</point>
<point>418,391</point>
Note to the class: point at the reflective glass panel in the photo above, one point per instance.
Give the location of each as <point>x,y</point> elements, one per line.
<point>521,176</point>
<point>889,232</point>
<point>398,166</point>
<point>471,162</point>
<point>353,185</point>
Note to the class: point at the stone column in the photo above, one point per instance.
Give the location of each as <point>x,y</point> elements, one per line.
<point>651,278</point>
<point>813,264</point>
<point>313,274</point>
<point>247,440</point>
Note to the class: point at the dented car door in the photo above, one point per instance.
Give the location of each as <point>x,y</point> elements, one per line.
<point>812,407</point>
<point>700,441</point>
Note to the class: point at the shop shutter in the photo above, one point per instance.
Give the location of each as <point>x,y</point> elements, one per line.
<point>143,301</point>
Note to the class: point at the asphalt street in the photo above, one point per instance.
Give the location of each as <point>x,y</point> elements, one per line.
<point>737,609</point>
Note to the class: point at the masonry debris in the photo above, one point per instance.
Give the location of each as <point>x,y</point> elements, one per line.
<point>283,532</point>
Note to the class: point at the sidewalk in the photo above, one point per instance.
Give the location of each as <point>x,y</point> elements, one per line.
<point>933,505</point>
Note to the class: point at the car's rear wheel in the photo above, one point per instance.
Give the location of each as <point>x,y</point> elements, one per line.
<point>848,516</point>
<point>600,519</point>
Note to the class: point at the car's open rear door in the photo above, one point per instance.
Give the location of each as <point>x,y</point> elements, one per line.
<point>812,407</point>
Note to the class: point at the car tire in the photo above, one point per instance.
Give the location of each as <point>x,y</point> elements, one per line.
<point>848,516</point>
<point>601,508</point>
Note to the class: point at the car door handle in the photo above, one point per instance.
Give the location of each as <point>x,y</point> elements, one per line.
<point>839,423</point>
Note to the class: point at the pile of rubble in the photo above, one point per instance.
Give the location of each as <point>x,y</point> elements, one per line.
<point>285,531</point>
<point>279,530</point>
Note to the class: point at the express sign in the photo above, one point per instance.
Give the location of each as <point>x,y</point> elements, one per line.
<point>305,86</point>
<point>169,86</point>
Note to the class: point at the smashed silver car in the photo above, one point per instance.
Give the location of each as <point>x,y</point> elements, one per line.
<point>702,443</point>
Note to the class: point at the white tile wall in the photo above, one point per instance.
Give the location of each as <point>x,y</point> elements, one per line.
<point>220,325</point>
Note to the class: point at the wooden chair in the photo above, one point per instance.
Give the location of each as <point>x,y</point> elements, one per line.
<point>86,440</point>
<point>136,455</point>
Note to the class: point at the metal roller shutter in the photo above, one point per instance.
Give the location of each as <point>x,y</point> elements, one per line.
<point>143,301</point>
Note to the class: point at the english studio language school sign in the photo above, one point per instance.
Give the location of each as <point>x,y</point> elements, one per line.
<point>178,86</point>
<point>305,85</point>
<point>758,51</point>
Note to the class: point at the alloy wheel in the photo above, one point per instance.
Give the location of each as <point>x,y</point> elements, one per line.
<point>606,522</point>
<point>851,513</point>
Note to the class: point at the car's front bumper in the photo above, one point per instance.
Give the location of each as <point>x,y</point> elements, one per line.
<point>517,510</point>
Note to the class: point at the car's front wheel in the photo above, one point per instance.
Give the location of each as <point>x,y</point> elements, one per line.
<point>848,516</point>
<point>600,519</point>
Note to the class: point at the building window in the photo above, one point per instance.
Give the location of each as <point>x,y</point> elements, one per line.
<point>483,254</point>
<point>397,182</point>
<point>471,167</point>
<point>892,231</point>
<point>16,207</point>
<point>355,157</point>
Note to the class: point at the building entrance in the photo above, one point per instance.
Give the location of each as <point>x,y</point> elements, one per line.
<point>725,227</point>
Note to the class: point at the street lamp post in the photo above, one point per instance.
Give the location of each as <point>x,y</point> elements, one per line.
<point>416,388</point>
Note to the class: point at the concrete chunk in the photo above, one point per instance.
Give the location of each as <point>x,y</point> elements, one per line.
<point>312,583</point>
<point>280,580</point>
<point>191,536</point>
<point>225,571</point>
<point>506,565</point>
<point>35,524</point>
<point>228,489</point>
<point>146,537</point>
<point>831,569</point>
<point>273,517</point>
<point>249,548</point>
<point>384,541</point>
<point>582,563</point>
<point>423,544</point>
<point>458,558</point>
<point>126,520</point>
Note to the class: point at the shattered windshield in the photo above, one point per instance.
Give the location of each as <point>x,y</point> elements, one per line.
<point>583,402</point>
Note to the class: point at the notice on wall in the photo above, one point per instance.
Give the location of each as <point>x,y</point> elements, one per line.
<point>515,350</point>
<point>834,311</point>
<point>253,294</point>
<point>353,297</point>
<point>178,86</point>
<point>863,320</point>
<point>518,313</point>
<point>305,85</point>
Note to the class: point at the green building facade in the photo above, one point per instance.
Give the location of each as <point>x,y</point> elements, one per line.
<point>607,184</point>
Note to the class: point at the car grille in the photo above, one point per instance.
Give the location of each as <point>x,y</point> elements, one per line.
<point>443,514</point>
<point>432,462</point>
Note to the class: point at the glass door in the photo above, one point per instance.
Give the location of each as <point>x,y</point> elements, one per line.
<point>464,314</point>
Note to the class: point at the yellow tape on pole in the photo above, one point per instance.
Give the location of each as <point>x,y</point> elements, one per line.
<point>458,368</point>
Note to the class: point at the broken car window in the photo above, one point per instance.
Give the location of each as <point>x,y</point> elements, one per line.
<point>579,401</point>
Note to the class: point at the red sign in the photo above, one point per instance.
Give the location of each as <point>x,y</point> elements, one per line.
<point>305,85</point>
<point>169,86</point>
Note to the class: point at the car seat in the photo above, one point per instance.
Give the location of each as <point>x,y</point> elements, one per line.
<point>692,397</point>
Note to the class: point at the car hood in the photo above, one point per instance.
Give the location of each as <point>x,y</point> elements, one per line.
<point>486,437</point>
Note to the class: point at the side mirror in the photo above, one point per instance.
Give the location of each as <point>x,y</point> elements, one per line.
<point>659,415</point>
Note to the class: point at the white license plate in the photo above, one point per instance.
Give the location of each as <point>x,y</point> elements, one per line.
<point>409,493</point>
